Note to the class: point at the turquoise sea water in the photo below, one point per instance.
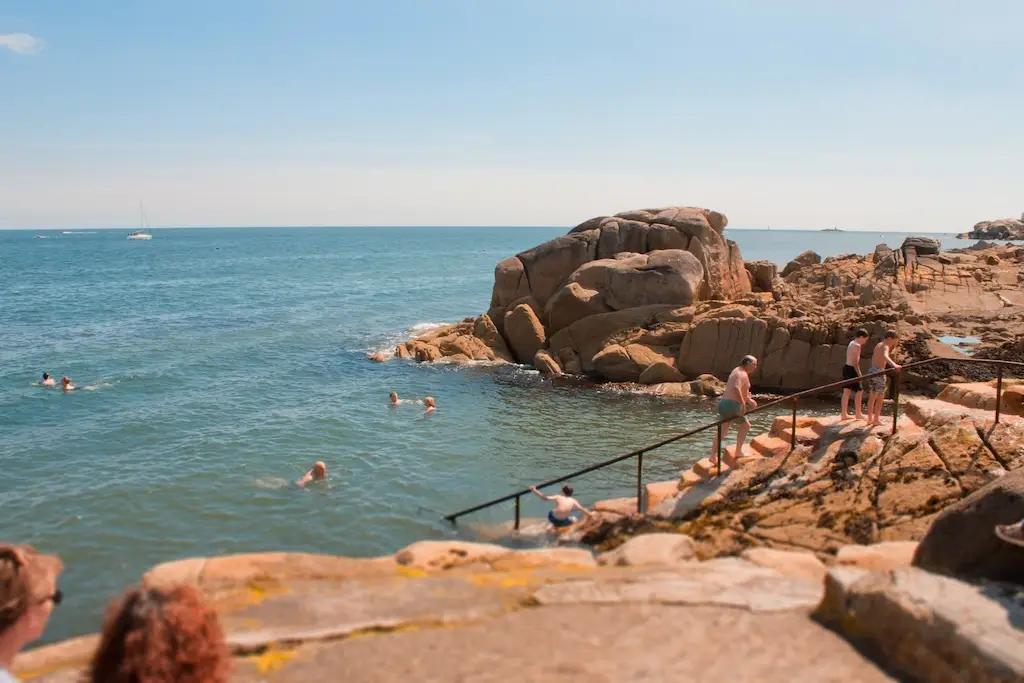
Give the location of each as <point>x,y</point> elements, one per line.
<point>220,363</point>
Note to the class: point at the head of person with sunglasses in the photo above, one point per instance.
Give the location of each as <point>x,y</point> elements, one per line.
<point>28,593</point>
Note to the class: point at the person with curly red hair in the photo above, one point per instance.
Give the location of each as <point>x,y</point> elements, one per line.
<point>155,636</point>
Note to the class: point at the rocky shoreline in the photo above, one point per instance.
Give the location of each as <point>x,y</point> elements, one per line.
<point>873,550</point>
<point>1004,229</point>
<point>658,298</point>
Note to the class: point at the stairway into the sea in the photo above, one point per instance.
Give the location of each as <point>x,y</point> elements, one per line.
<point>976,400</point>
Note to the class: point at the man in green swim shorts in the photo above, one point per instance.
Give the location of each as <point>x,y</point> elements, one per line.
<point>735,402</point>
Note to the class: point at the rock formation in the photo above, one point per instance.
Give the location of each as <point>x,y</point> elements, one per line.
<point>846,486</point>
<point>455,611</point>
<point>659,297</point>
<point>1004,229</point>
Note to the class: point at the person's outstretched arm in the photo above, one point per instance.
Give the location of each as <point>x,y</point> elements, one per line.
<point>534,489</point>
<point>582,509</point>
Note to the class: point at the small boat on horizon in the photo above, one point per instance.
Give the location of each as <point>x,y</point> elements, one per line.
<point>144,233</point>
<point>42,237</point>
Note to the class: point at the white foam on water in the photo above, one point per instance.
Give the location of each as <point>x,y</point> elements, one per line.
<point>386,347</point>
<point>271,483</point>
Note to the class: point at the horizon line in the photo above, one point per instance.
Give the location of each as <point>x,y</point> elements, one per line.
<point>430,226</point>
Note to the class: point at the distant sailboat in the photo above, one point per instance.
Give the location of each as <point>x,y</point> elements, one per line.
<point>144,233</point>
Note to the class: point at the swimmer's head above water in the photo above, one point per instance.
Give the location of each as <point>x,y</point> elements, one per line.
<point>318,472</point>
<point>431,405</point>
<point>394,398</point>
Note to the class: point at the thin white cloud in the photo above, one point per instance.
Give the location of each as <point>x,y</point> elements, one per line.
<point>22,43</point>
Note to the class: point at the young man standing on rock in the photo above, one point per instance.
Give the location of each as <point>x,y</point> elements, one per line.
<point>852,371</point>
<point>735,402</point>
<point>880,360</point>
<point>28,593</point>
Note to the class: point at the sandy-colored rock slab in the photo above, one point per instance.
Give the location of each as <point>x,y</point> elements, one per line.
<point>651,549</point>
<point>878,557</point>
<point>436,555</point>
<point>314,610</point>
<point>725,582</point>
<point>933,627</point>
<point>593,643</point>
<point>792,563</point>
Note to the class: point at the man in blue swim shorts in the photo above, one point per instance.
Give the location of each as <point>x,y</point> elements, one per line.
<point>735,402</point>
<point>564,504</point>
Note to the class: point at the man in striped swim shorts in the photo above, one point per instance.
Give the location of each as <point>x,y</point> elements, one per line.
<point>735,402</point>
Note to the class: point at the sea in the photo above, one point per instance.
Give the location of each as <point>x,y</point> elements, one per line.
<point>216,365</point>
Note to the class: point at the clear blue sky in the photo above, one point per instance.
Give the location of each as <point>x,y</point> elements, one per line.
<point>795,113</point>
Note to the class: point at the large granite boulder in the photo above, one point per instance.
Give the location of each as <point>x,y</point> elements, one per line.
<point>961,541</point>
<point>1004,229</point>
<point>629,280</point>
<point>923,246</point>
<point>807,258</point>
<point>524,332</point>
<point>762,275</point>
<point>544,270</point>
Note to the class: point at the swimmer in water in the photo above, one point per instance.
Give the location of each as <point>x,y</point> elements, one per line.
<point>564,504</point>
<point>66,385</point>
<point>394,399</point>
<point>431,406</point>
<point>48,381</point>
<point>317,473</point>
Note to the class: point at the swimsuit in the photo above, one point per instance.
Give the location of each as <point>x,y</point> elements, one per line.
<point>875,384</point>
<point>728,408</point>
<point>568,521</point>
<point>850,372</point>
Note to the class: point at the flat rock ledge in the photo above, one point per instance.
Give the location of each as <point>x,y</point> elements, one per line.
<point>932,627</point>
<point>449,610</point>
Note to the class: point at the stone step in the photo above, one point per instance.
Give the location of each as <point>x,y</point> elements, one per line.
<point>785,422</point>
<point>706,470</point>
<point>749,454</point>
<point>803,435</point>
<point>769,446</point>
<point>658,491</point>
<point>982,396</point>
<point>689,478</point>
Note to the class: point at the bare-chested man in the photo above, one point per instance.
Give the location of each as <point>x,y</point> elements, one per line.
<point>851,371</point>
<point>66,385</point>
<point>880,360</point>
<point>316,473</point>
<point>48,381</point>
<point>560,516</point>
<point>735,402</point>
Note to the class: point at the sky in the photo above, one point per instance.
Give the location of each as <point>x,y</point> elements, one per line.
<point>874,115</point>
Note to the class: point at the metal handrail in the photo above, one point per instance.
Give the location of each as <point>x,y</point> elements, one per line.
<point>639,453</point>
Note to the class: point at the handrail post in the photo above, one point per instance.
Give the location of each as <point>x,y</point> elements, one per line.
<point>640,484</point>
<point>517,513</point>
<point>792,436</point>
<point>718,450</point>
<point>895,400</point>
<point>999,390</point>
